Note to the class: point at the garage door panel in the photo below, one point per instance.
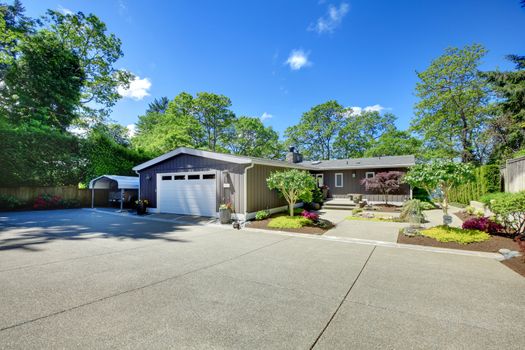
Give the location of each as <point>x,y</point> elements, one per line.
<point>190,197</point>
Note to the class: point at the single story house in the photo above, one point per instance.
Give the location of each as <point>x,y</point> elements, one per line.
<point>195,182</point>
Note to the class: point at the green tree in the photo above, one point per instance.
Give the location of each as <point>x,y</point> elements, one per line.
<point>85,36</point>
<point>158,105</point>
<point>317,130</point>
<point>394,143</point>
<point>14,26</point>
<point>508,127</point>
<point>43,85</point>
<point>443,176</point>
<point>452,110</point>
<point>249,137</point>
<point>359,132</point>
<point>294,185</point>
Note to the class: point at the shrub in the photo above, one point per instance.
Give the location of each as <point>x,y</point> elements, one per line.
<point>309,215</point>
<point>483,224</point>
<point>487,198</point>
<point>289,222</point>
<point>356,211</point>
<point>262,214</point>
<point>294,185</point>
<point>70,203</point>
<point>8,202</point>
<point>486,180</point>
<point>317,195</point>
<point>454,234</point>
<point>427,205</point>
<point>510,210</point>
<point>47,201</point>
<point>412,209</point>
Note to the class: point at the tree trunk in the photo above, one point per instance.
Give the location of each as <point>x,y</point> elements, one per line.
<point>292,205</point>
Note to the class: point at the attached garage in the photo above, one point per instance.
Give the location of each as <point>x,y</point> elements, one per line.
<point>188,193</point>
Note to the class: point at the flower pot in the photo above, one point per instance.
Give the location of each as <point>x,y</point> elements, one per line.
<point>225,216</point>
<point>141,209</point>
<point>325,193</point>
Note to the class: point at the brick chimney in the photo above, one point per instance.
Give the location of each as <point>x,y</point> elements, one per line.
<point>293,156</point>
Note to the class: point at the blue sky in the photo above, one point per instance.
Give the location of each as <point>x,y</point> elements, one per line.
<point>283,57</point>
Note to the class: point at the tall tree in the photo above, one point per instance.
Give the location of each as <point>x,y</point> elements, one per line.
<point>508,128</point>
<point>452,110</point>
<point>394,143</point>
<point>159,105</point>
<point>317,130</point>
<point>43,84</point>
<point>359,132</point>
<point>86,37</point>
<point>249,137</point>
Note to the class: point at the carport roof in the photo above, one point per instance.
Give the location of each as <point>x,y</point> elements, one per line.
<point>123,182</point>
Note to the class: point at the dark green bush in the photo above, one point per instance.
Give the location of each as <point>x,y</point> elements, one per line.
<point>8,202</point>
<point>510,210</point>
<point>487,180</point>
<point>262,214</point>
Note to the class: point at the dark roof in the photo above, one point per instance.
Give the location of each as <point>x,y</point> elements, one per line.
<point>335,164</point>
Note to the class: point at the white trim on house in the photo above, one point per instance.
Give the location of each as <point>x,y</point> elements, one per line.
<point>342,180</point>
<point>317,177</point>
<point>370,173</point>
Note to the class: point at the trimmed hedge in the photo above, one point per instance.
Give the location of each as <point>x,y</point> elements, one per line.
<point>487,180</point>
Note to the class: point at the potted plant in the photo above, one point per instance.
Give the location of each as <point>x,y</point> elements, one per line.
<point>324,190</point>
<point>142,204</point>
<point>225,213</point>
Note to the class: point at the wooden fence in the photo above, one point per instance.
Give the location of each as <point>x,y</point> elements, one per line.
<point>514,175</point>
<point>29,194</point>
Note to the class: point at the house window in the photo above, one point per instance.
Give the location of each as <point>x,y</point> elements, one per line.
<point>370,174</point>
<point>166,177</point>
<point>179,177</point>
<point>338,179</point>
<point>194,177</point>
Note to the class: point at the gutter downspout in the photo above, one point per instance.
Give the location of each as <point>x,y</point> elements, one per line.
<point>136,172</point>
<point>246,190</point>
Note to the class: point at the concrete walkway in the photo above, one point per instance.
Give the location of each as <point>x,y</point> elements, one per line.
<point>84,279</point>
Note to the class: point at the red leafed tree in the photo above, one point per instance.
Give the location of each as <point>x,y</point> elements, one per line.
<point>384,183</point>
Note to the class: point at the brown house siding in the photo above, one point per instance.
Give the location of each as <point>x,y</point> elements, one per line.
<point>353,184</point>
<point>190,163</point>
<point>259,196</point>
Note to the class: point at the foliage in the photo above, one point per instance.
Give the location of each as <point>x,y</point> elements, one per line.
<point>39,157</point>
<point>43,84</point>
<point>489,197</point>
<point>356,211</point>
<point>384,182</point>
<point>8,202</point>
<point>510,211</point>
<point>317,130</point>
<point>262,214</point>
<point>394,143</point>
<point>213,114</point>
<point>47,201</point>
<point>421,194</point>
<point>441,175</point>
<point>412,210</point>
<point>427,205</point>
<point>228,206</point>
<point>486,180</point>
<point>249,137</point>
<point>85,36</point>
<point>508,128</point>
<point>104,156</point>
<point>289,222</point>
<point>359,132</point>
<point>483,224</point>
<point>14,26</point>
<point>452,114</point>
<point>317,195</point>
<point>454,234</point>
<point>159,105</point>
<point>294,185</point>
<point>310,215</point>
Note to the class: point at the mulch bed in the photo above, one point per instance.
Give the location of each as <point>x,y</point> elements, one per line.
<point>388,208</point>
<point>464,216</point>
<point>494,244</point>
<point>517,264</point>
<point>313,230</point>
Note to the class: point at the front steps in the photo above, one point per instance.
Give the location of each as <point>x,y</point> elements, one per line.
<point>339,204</point>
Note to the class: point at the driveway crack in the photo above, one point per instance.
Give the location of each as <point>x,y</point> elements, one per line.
<point>343,300</point>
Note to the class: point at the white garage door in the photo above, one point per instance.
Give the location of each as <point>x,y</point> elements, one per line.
<point>188,193</point>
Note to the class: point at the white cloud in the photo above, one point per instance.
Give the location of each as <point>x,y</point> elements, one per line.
<point>266,116</point>
<point>132,130</point>
<point>375,108</point>
<point>333,18</point>
<point>137,90</point>
<point>64,10</point>
<point>298,59</point>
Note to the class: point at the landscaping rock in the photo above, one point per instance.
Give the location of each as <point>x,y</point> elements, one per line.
<point>509,254</point>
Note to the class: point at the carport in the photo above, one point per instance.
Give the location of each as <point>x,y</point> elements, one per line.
<point>114,182</point>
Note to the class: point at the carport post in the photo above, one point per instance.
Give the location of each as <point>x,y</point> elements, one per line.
<point>121,199</point>
<point>93,196</point>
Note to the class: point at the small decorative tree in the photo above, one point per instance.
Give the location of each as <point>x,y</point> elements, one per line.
<point>441,175</point>
<point>385,182</point>
<point>294,185</point>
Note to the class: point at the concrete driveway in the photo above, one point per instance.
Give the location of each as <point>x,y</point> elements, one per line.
<point>82,279</point>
